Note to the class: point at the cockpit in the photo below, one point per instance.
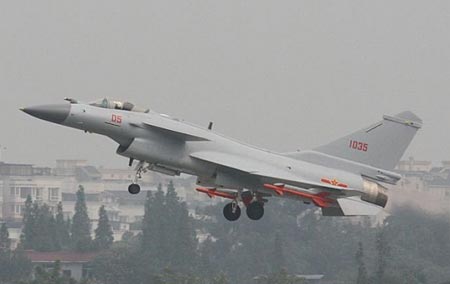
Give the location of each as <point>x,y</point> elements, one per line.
<point>112,104</point>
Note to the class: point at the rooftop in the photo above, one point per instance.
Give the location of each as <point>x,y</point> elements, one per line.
<point>62,256</point>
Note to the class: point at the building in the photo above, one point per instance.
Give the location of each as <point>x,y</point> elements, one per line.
<point>76,265</point>
<point>423,185</point>
<point>412,165</point>
<point>314,278</point>
<point>102,186</point>
<point>18,181</point>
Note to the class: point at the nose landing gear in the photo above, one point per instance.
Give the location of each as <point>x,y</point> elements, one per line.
<point>135,188</point>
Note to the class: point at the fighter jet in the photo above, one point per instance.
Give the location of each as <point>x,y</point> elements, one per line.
<point>347,177</point>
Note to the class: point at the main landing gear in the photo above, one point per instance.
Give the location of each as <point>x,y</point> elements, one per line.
<point>255,211</point>
<point>253,202</point>
<point>232,211</point>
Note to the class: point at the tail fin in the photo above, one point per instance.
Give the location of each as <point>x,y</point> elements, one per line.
<point>381,145</point>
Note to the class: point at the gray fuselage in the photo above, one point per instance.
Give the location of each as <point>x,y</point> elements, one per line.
<point>153,146</point>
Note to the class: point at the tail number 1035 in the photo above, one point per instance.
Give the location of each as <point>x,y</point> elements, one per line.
<point>360,146</point>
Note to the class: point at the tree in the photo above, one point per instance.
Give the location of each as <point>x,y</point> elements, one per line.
<point>185,242</point>
<point>221,278</point>
<point>62,228</point>
<point>103,233</point>
<point>148,226</point>
<point>168,238</point>
<point>127,236</point>
<point>28,224</point>
<point>277,258</point>
<point>54,276</point>
<point>39,228</point>
<point>362,271</point>
<point>154,242</point>
<point>81,225</point>
<point>179,232</point>
<point>153,238</point>
<point>44,238</point>
<point>168,276</point>
<point>5,241</point>
<point>14,266</point>
<point>281,277</point>
<point>382,255</point>
<point>119,265</point>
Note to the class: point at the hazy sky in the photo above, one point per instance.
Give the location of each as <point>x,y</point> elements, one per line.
<point>279,74</point>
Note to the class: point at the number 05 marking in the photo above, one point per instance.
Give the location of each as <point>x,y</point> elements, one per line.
<point>360,146</point>
<point>116,119</point>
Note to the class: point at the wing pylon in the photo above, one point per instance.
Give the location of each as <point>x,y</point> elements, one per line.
<point>319,199</point>
<point>211,192</point>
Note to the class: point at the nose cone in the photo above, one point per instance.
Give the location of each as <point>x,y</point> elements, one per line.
<point>54,113</point>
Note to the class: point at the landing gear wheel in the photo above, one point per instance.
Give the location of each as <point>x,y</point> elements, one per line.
<point>134,188</point>
<point>255,210</point>
<point>230,214</point>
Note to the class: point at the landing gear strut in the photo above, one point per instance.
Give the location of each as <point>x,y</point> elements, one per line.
<point>232,211</point>
<point>135,188</point>
<point>255,210</point>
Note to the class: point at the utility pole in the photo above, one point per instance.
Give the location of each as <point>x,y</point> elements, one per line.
<point>2,148</point>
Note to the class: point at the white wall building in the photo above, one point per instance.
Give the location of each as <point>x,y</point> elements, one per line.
<point>102,186</point>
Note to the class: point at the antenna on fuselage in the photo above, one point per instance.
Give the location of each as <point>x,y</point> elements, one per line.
<point>70,100</point>
<point>210,126</point>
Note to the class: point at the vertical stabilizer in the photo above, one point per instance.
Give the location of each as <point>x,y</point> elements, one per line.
<point>381,145</point>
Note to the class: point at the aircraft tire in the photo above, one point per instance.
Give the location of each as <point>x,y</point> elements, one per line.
<point>228,212</point>
<point>134,188</point>
<point>255,210</point>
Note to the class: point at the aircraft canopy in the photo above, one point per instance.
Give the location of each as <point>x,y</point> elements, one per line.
<point>113,104</point>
